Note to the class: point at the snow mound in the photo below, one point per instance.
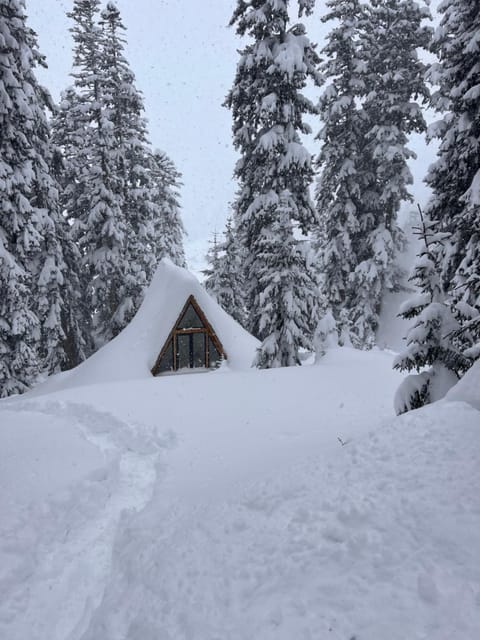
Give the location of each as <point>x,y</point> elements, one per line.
<point>468,388</point>
<point>132,354</point>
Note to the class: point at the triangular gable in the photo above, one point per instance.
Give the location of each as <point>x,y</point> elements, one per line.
<point>191,343</point>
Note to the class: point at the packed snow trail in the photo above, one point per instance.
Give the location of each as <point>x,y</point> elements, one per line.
<point>382,543</point>
<point>58,550</point>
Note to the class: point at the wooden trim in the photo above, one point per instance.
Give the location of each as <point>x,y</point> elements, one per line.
<point>192,330</point>
<point>207,329</point>
<point>207,351</point>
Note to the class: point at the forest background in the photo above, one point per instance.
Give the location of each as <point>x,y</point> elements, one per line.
<point>184,58</point>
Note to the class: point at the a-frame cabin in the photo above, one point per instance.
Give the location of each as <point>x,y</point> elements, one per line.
<point>178,328</point>
<point>191,344</point>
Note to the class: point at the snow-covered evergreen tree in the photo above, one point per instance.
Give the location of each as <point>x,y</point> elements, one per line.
<point>94,199</point>
<point>231,295</point>
<point>341,162</point>
<point>75,313</point>
<point>224,279</point>
<point>429,341</point>
<point>212,272</point>
<point>390,36</point>
<point>326,335</point>
<point>31,260</point>
<point>287,295</point>
<point>69,128</point>
<point>274,175</point>
<point>124,105</point>
<point>169,230</point>
<point>455,177</point>
<point>123,199</point>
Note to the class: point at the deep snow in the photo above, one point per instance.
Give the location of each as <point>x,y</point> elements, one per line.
<point>241,504</point>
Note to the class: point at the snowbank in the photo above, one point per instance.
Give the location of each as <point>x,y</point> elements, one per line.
<point>277,504</point>
<point>132,354</point>
<point>468,388</point>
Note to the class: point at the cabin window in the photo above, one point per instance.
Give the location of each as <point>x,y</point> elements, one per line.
<point>183,350</point>
<point>214,357</point>
<point>190,319</point>
<point>166,362</point>
<point>198,349</point>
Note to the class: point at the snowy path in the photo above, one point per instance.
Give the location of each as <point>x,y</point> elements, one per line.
<point>383,543</point>
<point>66,558</point>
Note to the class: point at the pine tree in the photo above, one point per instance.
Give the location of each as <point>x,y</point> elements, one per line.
<point>287,298</point>
<point>231,293</point>
<point>169,230</point>
<point>124,105</point>
<point>31,260</point>
<point>274,175</point>
<point>455,177</point>
<point>390,34</point>
<point>212,273</point>
<point>94,200</point>
<point>429,342</point>
<point>121,198</point>
<point>223,275</point>
<point>326,335</point>
<point>75,314</point>
<point>340,186</point>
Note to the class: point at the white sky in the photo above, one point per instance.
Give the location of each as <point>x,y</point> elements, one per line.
<point>184,57</point>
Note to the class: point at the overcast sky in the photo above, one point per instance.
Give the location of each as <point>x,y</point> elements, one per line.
<point>184,57</point>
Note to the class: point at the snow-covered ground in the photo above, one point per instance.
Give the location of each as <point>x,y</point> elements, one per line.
<point>284,504</point>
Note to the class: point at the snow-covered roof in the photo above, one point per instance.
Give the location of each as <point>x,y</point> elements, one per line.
<point>132,354</point>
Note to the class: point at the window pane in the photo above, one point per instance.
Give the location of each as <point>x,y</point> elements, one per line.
<point>198,349</point>
<point>183,351</point>
<point>214,357</point>
<point>166,363</point>
<point>190,319</point>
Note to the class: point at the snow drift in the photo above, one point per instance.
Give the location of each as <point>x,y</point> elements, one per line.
<point>468,388</point>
